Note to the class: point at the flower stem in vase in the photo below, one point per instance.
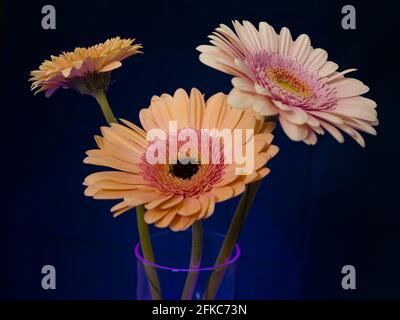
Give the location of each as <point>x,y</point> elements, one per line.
<point>147,251</point>
<point>143,228</point>
<point>231,238</point>
<point>195,261</point>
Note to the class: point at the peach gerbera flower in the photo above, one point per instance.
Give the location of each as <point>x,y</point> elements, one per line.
<point>85,69</point>
<point>277,76</point>
<point>175,194</point>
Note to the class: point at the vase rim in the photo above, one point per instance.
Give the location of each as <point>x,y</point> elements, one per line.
<point>234,257</point>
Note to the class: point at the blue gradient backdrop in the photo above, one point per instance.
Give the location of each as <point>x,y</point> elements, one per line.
<point>321,207</point>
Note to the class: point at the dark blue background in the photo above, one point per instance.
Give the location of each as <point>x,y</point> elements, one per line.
<point>321,207</point>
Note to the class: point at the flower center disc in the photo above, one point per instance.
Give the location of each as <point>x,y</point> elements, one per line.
<point>195,169</point>
<point>288,81</point>
<point>184,171</point>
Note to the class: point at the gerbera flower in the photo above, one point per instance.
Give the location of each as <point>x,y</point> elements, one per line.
<point>85,69</point>
<point>175,194</point>
<point>277,76</point>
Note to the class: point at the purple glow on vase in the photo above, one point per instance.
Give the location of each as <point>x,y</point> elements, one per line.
<point>155,265</point>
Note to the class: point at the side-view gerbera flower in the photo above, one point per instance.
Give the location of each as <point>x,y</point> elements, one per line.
<point>84,69</point>
<point>175,194</point>
<point>277,76</point>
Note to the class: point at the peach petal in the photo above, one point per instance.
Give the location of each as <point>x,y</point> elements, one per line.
<point>112,185</point>
<point>231,119</point>
<point>222,193</point>
<point>134,127</point>
<point>197,108</point>
<point>137,140</point>
<point>260,142</point>
<point>181,108</point>
<point>227,179</point>
<point>211,207</point>
<point>119,209</point>
<point>166,220</point>
<point>189,206</point>
<point>160,114</point>
<point>158,202</point>
<point>90,191</point>
<point>112,163</point>
<point>180,223</point>
<point>172,202</point>
<point>272,151</point>
<point>109,194</point>
<point>204,206</point>
<point>138,197</point>
<point>246,179</point>
<point>154,215</point>
<point>146,119</point>
<point>268,127</point>
<point>111,66</point>
<point>238,188</point>
<point>215,111</point>
<point>262,173</point>
<point>117,176</point>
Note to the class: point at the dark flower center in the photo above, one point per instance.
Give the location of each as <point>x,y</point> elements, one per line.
<point>184,171</point>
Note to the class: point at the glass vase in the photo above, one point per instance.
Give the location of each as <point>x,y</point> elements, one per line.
<point>172,251</point>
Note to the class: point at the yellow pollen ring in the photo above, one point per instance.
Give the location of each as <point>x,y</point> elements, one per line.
<point>289,82</point>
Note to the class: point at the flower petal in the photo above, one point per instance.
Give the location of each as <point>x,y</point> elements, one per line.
<point>293,131</point>
<point>268,37</point>
<point>301,48</point>
<point>285,42</point>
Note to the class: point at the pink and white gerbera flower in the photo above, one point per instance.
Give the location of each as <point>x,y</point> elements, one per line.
<point>277,76</point>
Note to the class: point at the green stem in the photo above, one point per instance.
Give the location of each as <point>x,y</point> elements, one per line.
<point>105,106</point>
<point>195,261</point>
<point>231,238</point>
<point>143,228</point>
<point>147,251</point>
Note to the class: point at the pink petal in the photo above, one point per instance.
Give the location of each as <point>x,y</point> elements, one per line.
<point>285,41</point>
<point>301,48</point>
<point>268,37</point>
<point>293,131</point>
<point>349,87</point>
